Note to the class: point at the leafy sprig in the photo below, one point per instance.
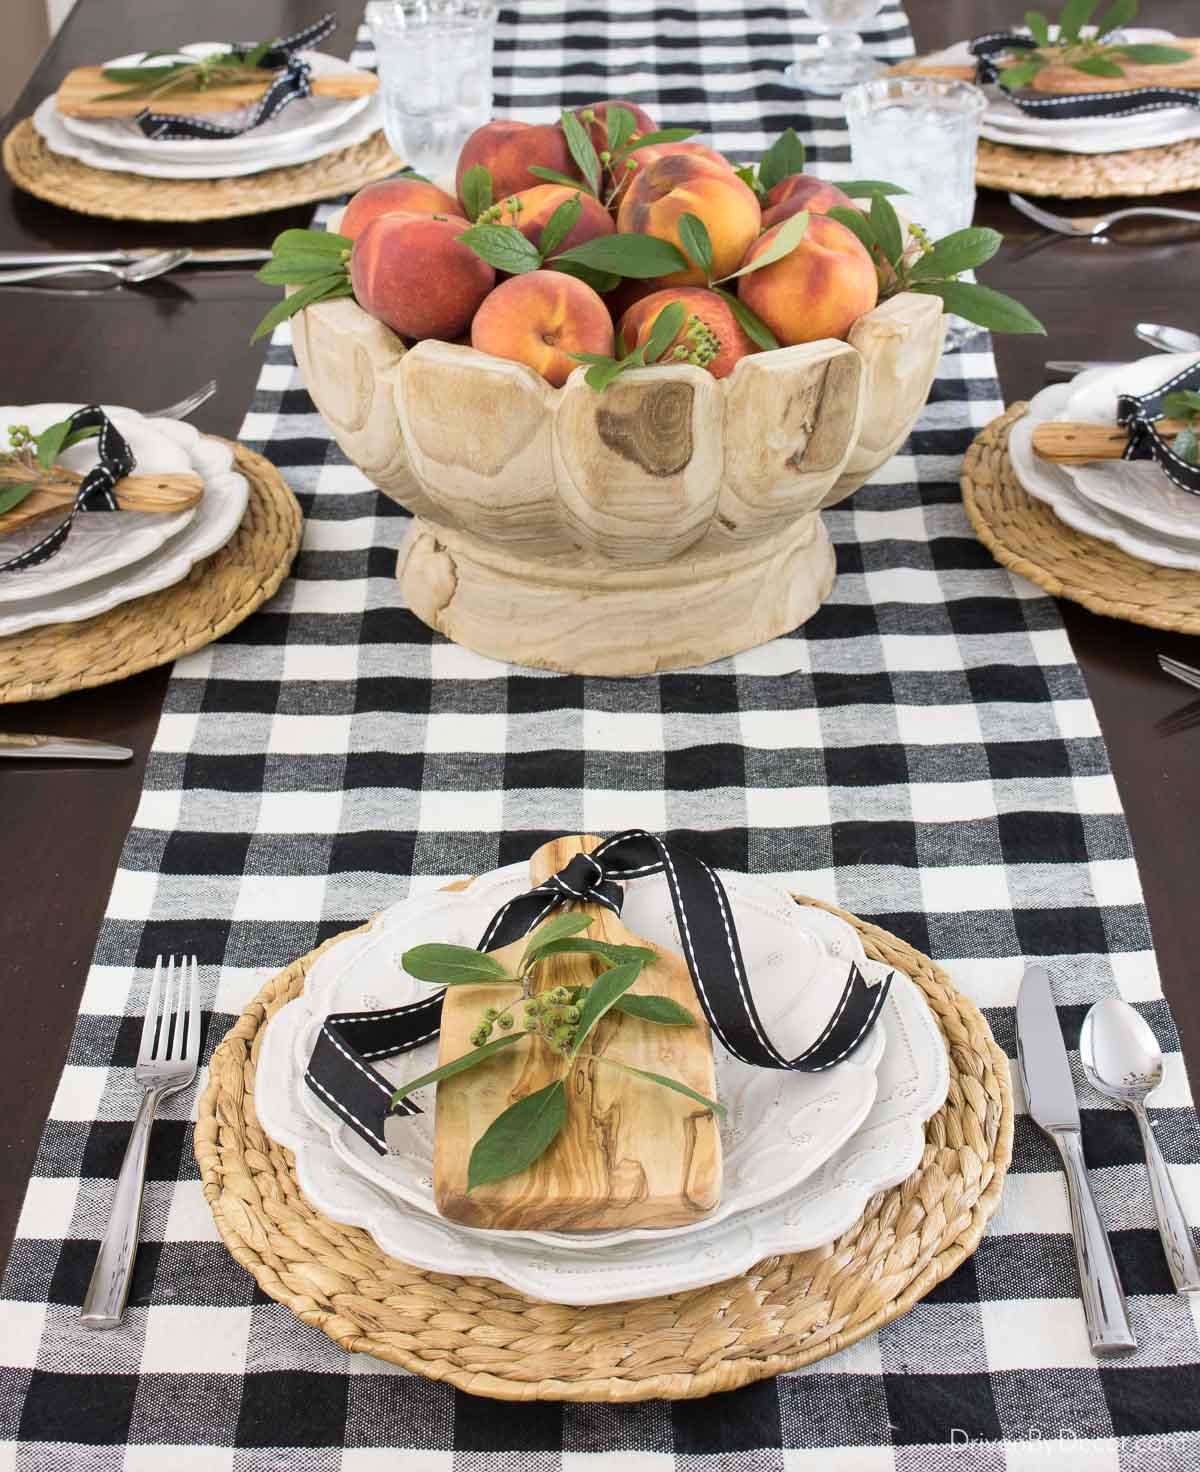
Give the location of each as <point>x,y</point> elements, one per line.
<point>205,73</point>
<point>604,172</point>
<point>560,1019</point>
<point>1184,404</point>
<point>1091,54</point>
<point>316,262</point>
<point>30,459</point>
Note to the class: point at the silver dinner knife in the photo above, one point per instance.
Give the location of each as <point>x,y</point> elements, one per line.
<point>1050,1095</point>
<point>78,747</point>
<point>200,257</point>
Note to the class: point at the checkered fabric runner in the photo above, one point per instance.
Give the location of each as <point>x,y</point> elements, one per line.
<point>922,752</point>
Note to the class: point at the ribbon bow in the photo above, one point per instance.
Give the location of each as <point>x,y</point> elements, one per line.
<point>1075,104</point>
<point>1137,413</point>
<point>95,492</point>
<point>293,82</point>
<point>340,1070</point>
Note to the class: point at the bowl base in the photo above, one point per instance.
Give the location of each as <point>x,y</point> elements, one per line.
<point>589,617</point>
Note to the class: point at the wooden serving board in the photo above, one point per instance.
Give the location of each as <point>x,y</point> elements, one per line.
<point>82,94</point>
<point>167,493</point>
<point>1065,80</point>
<point>631,1154</point>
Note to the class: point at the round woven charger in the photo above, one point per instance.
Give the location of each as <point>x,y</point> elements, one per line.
<point>1024,533</point>
<point>32,166</point>
<point>491,1340</point>
<point>217,594</point>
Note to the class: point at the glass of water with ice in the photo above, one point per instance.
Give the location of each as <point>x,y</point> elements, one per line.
<point>435,77</point>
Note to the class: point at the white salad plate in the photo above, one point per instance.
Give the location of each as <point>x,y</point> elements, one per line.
<point>96,569</point>
<point>49,123</point>
<point>300,122</point>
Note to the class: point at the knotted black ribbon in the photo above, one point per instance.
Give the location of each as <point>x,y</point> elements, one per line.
<point>1137,413</point>
<point>95,492</point>
<point>293,82</point>
<point>1075,104</point>
<point>340,1072</point>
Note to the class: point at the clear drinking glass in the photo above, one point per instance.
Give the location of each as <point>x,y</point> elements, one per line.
<point>842,62</point>
<point>435,76</point>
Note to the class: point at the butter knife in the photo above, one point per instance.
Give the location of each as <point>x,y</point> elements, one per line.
<point>199,257</point>
<point>78,747</point>
<point>1050,1096</point>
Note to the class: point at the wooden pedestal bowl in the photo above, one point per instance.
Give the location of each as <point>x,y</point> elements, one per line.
<point>668,521</point>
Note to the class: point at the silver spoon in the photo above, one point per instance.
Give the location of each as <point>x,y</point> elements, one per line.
<point>1168,339</point>
<point>144,270</point>
<point>1122,1059</point>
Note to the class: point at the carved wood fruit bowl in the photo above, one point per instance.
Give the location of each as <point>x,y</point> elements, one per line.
<point>671,520</point>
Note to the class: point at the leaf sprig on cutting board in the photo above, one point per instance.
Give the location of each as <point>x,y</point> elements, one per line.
<point>560,1020</point>
<point>1092,54</point>
<point>1184,404</point>
<point>29,461</point>
<point>204,73</point>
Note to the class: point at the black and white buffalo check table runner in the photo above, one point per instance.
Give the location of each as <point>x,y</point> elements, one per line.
<point>923,752</point>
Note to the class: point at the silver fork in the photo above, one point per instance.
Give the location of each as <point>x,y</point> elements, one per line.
<point>166,1063</point>
<point>1094,226</point>
<point>186,406</point>
<point>143,270</point>
<point>1179,671</point>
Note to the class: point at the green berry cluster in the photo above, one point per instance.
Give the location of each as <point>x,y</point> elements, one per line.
<point>704,344</point>
<point>495,213</point>
<point>552,1015</point>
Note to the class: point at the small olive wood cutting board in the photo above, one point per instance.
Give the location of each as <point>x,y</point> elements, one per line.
<point>166,493</point>
<point>1069,443</point>
<point>1064,80</point>
<point>82,94</point>
<point>631,1153</point>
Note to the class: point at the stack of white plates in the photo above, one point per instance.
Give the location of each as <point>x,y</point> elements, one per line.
<point>1129,503</point>
<point>305,130</point>
<point>1004,122</point>
<point>111,557</point>
<point>803,1153</point>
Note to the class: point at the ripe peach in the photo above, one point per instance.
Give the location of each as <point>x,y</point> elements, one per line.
<point>818,290</point>
<point>506,149</point>
<point>539,319</point>
<point>644,157</point>
<point>535,206</point>
<point>682,184</point>
<point>394,196</point>
<point>802,192</point>
<point>711,335</point>
<point>412,272</point>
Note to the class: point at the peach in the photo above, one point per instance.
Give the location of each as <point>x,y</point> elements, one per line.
<point>539,319</point>
<point>711,336</point>
<point>598,128</point>
<point>412,272</point>
<point>395,196</point>
<point>682,184</point>
<point>818,290</point>
<point>535,206</point>
<point>646,156</point>
<point>506,149</point>
<point>802,192</point>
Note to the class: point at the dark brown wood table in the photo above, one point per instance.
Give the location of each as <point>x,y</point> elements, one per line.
<point>62,826</point>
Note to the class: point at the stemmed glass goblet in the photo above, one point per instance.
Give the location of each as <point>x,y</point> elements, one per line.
<point>843,61</point>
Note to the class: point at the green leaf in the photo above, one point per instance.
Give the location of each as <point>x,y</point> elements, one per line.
<point>561,925</point>
<point>752,324</point>
<point>791,233</point>
<point>328,288</point>
<point>1039,26</point>
<point>856,222</point>
<point>1153,55</point>
<point>602,994</point>
<point>516,1138</point>
<point>1187,446</point>
<point>322,241</point>
<point>560,224</point>
<point>552,176</point>
<point>77,436</point>
<point>1097,66</point>
<point>962,250</point>
<point>621,127</point>
<point>457,1065</point>
<point>11,496</point>
<point>856,187</point>
<point>583,151</point>
<point>446,965</point>
<point>1075,15</point>
<point>575,945</point>
<point>665,330</point>
<point>694,236</point>
<point>661,1010</point>
<point>476,191</point>
<point>1116,15</point>
<point>1013,78</point>
<point>142,74</point>
<point>600,281</point>
<point>667,1083</point>
<point>503,247</point>
<point>640,256</point>
<point>981,304</point>
<point>1182,404</point>
<point>50,443</point>
<point>293,271</point>
<point>748,174</point>
<point>888,230</point>
<point>784,157</point>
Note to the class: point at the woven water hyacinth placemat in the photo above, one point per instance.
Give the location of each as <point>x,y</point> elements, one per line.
<point>491,1340</point>
<point>1024,534</point>
<point>32,166</point>
<point>217,594</point>
<point>1140,171</point>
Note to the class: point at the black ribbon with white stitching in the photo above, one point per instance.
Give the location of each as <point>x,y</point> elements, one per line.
<point>1137,413</point>
<point>293,82</point>
<point>340,1069</point>
<point>1076,104</point>
<point>95,492</point>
